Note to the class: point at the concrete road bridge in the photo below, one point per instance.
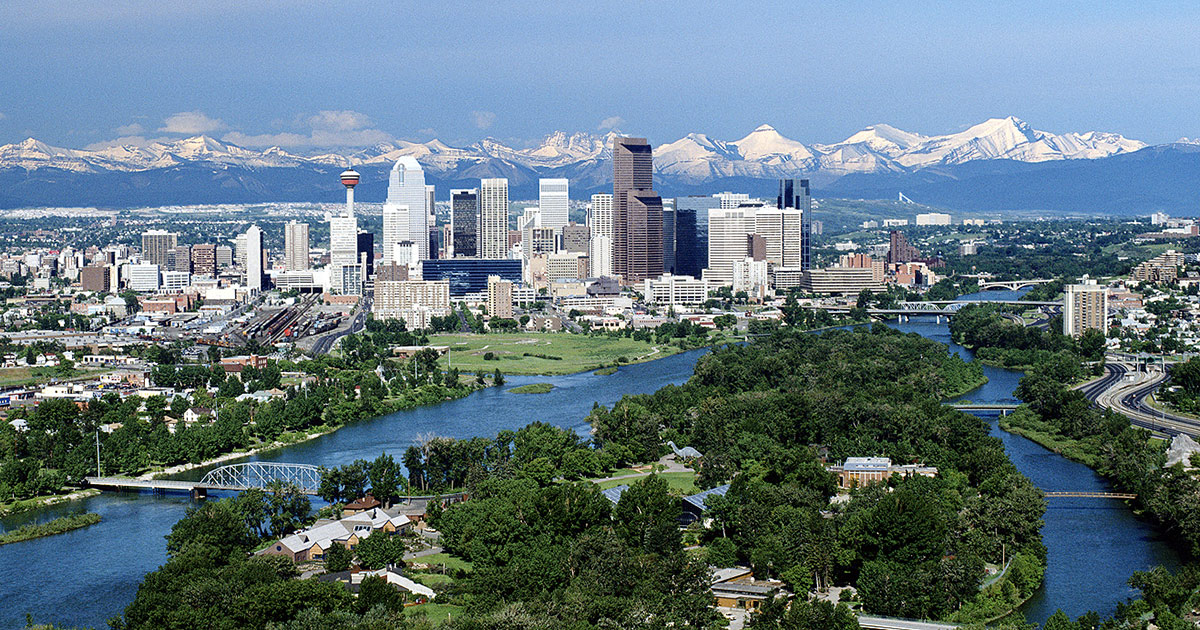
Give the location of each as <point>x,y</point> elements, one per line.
<point>1010,285</point>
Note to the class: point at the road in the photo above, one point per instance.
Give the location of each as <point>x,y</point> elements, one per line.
<point>1124,390</point>
<point>357,320</point>
<point>887,623</point>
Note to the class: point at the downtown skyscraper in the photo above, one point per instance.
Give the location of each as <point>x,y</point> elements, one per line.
<point>794,194</point>
<point>295,246</point>
<point>637,212</point>
<point>405,216</point>
<point>493,218</point>
<point>554,199</point>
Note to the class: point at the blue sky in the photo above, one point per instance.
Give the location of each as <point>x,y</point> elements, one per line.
<point>309,74</point>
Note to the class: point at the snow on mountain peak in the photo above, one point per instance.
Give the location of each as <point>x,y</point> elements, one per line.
<point>696,157</point>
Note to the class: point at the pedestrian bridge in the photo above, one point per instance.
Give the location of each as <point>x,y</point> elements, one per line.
<point>1090,495</point>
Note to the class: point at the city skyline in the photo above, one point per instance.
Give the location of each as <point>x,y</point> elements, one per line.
<point>962,68</point>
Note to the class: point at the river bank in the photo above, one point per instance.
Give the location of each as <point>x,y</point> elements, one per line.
<point>25,505</point>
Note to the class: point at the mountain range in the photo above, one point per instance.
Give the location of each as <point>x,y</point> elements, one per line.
<point>961,170</point>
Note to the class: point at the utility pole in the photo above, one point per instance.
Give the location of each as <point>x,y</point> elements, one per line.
<point>98,471</point>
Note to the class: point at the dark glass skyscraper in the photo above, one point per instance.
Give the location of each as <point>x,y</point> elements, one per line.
<point>637,212</point>
<point>691,233</point>
<point>464,217</point>
<point>366,245</point>
<point>668,232</point>
<point>794,193</point>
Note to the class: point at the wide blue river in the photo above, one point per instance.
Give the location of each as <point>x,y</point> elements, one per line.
<point>84,577</point>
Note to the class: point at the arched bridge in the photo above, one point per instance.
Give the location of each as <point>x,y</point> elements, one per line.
<point>1010,285</point>
<point>947,307</point>
<point>234,477</point>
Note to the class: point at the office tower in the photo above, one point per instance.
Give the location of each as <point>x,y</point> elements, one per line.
<point>295,246</point>
<point>637,212</point>
<point>435,241</point>
<point>365,249</point>
<point>691,234</point>
<point>493,218</point>
<point>899,250</point>
<point>254,258</point>
<point>204,260</point>
<point>431,203</point>
<point>239,250</point>
<point>728,230</point>
<point>554,200</point>
<point>781,232</point>
<point>730,200</point>
<point>156,244</point>
<point>600,224</point>
<point>224,256</point>
<point>794,194</point>
<point>643,222</point>
<point>464,219</point>
<point>668,241</point>
<point>575,238</point>
<point>530,220</point>
<point>1085,306</point>
<point>179,258</point>
<point>143,277</point>
<point>499,297</point>
<point>405,213</point>
<point>95,279</point>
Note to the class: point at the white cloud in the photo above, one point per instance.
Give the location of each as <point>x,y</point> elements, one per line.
<point>483,120</point>
<point>2,116</point>
<point>344,120</point>
<point>134,129</point>
<point>428,131</point>
<point>327,128</point>
<point>191,123</point>
<point>612,122</point>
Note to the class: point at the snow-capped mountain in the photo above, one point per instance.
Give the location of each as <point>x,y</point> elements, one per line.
<point>763,153</point>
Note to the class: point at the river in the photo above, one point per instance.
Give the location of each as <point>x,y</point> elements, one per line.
<point>84,577</point>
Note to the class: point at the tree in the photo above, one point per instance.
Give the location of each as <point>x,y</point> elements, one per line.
<point>214,524</point>
<point>338,558</point>
<point>375,591</point>
<point>647,517</point>
<point>498,378</point>
<point>385,479</point>
<point>380,549</point>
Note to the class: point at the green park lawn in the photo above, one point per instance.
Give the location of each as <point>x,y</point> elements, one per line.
<point>575,353</point>
<point>439,559</point>
<point>681,482</point>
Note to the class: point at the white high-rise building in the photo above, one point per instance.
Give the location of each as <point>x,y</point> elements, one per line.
<point>554,199</point>
<point>295,246</point>
<point>142,277</point>
<point>529,221</point>
<point>600,222</point>
<point>343,248</point>
<point>254,258</point>
<point>493,218</point>
<point>731,200</point>
<point>781,232</point>
<point>405,212</point>
<point>933,218</point>
<point>728,230</point>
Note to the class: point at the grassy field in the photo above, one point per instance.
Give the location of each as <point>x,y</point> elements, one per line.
<point>439,559</point>
<point>435,613</point>
<point>23,376</point>
<point>430,579</point>
<point>561,353</point>
<point>682,482</point>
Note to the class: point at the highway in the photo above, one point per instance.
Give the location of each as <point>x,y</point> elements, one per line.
<point>889,623</point>
<point>1124,391</point>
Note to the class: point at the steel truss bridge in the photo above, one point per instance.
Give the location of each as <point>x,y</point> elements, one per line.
<point>234,477</point>
<point>947,307</point>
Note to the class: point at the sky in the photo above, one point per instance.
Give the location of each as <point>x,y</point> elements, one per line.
<point>319,75</point>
